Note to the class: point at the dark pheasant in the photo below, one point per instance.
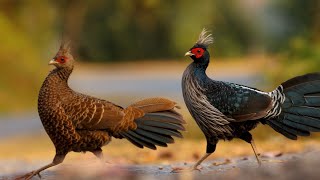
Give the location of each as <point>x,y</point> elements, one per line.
<point>224,110</point>
<point>80,123</point>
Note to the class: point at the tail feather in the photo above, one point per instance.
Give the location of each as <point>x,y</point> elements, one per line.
<point>300,80</point>
<point>161,124</point>
<point>306,87</point>
<point>281,130</point>
<point>162,117</point>
<point>312,123</point>
<point>291,129</point>
<point>154,136</point>
<point>170,132</point>
<point>157,126</point>
<point>300,126</point>
<point>312,101</point>
<point>141,143</point>
<point>132,140</point>
<point>300,112</point>
<point>304,111</point>
<point>145,138</point>
<point>155,104</point>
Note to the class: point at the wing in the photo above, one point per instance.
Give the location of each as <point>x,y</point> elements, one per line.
<point>91,113</point>
<point>239,102</point>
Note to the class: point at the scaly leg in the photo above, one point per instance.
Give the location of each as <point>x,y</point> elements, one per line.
<point>254,148</point>
<point>248,138</point>
<point>195,166</point>
<point>210,149</point>
<point>57,160</point>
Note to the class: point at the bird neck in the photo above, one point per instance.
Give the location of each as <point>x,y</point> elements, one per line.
<point>199,70</point>
<point>201,63</point>
<point>62,74</point>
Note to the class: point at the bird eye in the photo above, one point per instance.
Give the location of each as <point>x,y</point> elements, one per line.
<point>62,59</point>
<point>198,50</point>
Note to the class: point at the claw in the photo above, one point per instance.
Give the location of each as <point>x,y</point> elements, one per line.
<point>27,176</point>
<point>39,175</point>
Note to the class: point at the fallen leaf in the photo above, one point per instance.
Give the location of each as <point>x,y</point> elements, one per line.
<point>244,159</point>
<point>165,155</point>
<point>227,161</point>
<point>177,168</point>
<point>271,154</point>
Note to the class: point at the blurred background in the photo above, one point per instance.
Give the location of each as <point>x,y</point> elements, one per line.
<point>129,50</point>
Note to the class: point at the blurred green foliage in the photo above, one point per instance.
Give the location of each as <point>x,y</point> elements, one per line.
<point>298,51</point>
<point>123,30</point>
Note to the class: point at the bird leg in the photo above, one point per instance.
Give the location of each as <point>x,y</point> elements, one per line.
<point>194,167</point>
<point>57,160</point>
<point>248,138</point>
<point>210,149</point>
<point>254,148</point>
<point>98,153</point>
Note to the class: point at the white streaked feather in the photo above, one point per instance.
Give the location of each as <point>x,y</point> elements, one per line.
<point>245,87</point>
<point>205,38</point>
<point>209,118</point>
<point>278,98</point>
<point>101,115</point>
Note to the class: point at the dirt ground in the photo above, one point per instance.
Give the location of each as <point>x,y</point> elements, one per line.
<point>274,166</point>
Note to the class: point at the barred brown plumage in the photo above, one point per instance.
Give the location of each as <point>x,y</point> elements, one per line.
<point>80,123</point>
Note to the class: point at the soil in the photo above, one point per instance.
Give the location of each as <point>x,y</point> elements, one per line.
<point>274,166</point>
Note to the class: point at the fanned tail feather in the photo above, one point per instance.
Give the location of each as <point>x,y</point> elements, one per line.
<point>157,126</point>
<point>300,111</point>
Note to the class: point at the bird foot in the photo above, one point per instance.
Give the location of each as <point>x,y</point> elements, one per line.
<point>184,170</point>
<point>28,176</point>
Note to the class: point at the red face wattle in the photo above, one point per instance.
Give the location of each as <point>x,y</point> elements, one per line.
<point>61,59</point>
<point>198,52</point>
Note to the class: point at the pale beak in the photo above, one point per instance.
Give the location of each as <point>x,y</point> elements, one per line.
<point>52,62</point>
<point>189,53</point>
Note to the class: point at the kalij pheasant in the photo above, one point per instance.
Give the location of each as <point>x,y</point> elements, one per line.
<point>224,110</point>
<point>80,123</point>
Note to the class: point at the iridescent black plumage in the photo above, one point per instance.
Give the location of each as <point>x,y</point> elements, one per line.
<point>226,110</point>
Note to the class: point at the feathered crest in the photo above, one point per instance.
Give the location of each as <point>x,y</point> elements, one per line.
<point>205,39</point>
<point>65,46</point>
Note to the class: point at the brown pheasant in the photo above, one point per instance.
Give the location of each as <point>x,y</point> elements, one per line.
<point>80,123</point>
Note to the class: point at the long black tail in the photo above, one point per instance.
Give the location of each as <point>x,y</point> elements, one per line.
<point>299,106</point>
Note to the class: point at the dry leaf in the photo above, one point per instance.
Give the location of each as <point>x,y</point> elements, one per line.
<point>271,154</point>
<point>227,161</point>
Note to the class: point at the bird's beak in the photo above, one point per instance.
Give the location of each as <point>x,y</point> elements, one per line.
<point>189,53</point>
<point>53,62</point>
